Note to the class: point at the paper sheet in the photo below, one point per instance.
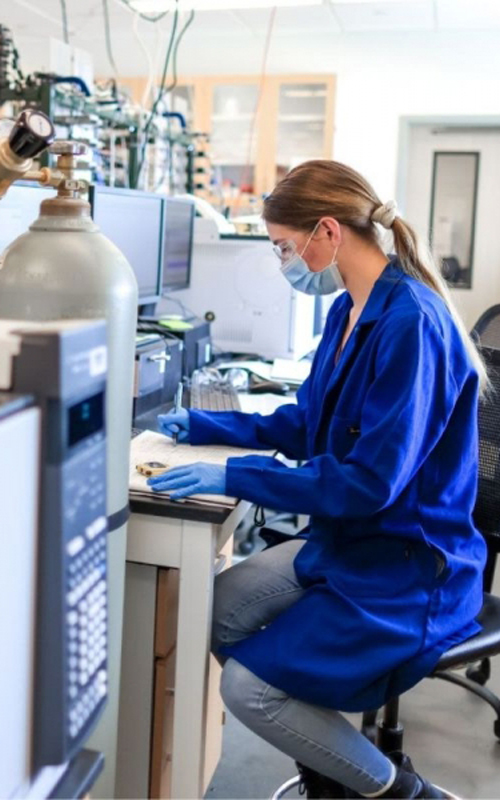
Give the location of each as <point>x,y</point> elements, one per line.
<point>151,446</point>
<point>285,369</point>
<point>265,403</point>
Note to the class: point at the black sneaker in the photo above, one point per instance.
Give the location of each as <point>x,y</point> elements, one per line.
<point>315,785</point>
<point>420,788</point>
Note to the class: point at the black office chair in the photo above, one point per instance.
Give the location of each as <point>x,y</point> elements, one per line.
<point>387,732</point>
<point>486,331</point>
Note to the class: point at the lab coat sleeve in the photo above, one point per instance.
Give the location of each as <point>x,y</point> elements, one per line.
<point>405,412</point>
<point>285,430</point>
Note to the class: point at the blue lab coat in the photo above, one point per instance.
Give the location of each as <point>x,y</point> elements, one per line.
<point>392,563</point>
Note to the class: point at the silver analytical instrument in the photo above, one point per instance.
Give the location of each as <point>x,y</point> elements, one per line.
<point>63,367</point>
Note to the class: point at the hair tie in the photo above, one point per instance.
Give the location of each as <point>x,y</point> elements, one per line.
<point>385,214</point>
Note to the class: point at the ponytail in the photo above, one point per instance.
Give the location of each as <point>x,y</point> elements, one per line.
<point>416,260</point>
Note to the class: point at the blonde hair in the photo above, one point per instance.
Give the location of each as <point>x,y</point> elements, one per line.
<point>324,188</point>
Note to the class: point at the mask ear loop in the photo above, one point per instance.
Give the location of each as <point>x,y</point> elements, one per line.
<point>334,257</point>
<point>310,237</point>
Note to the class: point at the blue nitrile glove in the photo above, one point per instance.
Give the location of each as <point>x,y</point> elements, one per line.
<point>175,422</point>
<point>199,478</point>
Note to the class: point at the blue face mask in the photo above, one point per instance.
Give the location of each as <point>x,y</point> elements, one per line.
<point>298,274</point>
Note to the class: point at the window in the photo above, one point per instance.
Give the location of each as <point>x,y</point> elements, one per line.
<point>453,214</point>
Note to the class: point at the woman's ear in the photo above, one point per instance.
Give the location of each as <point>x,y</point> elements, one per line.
<point>333,230</point>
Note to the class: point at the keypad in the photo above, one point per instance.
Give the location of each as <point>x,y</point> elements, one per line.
<point>86,624</point>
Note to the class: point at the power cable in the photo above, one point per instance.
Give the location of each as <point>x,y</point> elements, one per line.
<point>160,93</point>
<point>170,88</point>
<point>263,75</point>
<point>107,31</point>
<point>189,22</point>
<point>147,17</point>
<point>64,12</point>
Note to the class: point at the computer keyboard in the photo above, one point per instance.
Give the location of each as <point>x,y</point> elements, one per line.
<point>209,394</point>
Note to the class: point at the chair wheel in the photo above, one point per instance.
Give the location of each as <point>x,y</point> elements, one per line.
<point>479,674</point>
<point>246,547</point>
<point>496,728</point>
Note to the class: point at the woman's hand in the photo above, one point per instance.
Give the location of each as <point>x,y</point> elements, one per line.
<point>175,423</point>
<point>199,478</point>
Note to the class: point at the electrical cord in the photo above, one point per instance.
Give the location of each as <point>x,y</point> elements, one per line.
<point>259,515</point>
<point>187,312</point>
<point>64,12</point>
<point>147,17</point>
<point>160,94</point>
<point>107,32</point>
<point>171,88</point>
<point>189,22</point>
<point>246,168</point>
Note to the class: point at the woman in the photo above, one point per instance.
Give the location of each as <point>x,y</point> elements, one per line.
<point>388,574</point>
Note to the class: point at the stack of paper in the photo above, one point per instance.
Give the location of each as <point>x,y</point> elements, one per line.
<point>151,446</point>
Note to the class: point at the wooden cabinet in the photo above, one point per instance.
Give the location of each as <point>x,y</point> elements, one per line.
<point>164,688</point>
<point>258,130</point>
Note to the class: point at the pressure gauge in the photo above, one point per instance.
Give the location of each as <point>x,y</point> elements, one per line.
<point>32,133</point>
<point>40,125</point>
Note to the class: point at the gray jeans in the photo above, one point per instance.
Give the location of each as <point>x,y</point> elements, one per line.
<point>247,597</point>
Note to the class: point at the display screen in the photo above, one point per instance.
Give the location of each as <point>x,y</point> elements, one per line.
<point>178,244</point>
<point>133,221</point>
<point>85,418</point>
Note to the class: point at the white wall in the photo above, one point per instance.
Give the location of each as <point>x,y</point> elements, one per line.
<point>381,77</point>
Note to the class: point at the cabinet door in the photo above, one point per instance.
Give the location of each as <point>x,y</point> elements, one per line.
<point>259,131</point>
<point>304,128</point>
<point>233,141</point>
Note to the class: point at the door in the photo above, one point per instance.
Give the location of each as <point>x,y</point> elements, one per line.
<point>452,198</point>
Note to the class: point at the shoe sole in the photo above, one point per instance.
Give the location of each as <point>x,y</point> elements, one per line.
<point>449,795</point>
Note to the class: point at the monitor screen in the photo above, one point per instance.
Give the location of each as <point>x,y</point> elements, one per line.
<point>178,243</point>
<point>20,207</point>
<point>133,221</point>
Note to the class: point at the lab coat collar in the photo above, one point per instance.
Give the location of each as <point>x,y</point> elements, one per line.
<point>381,292</point>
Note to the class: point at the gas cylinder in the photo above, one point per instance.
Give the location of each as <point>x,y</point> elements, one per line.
<point>64,268</point>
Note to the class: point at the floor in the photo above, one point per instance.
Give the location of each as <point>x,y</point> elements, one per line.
<point>448,734</point>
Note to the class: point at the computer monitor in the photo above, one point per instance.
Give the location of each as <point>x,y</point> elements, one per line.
<point>133,221</point>
<point>177,243</point>
<point>19,207</point>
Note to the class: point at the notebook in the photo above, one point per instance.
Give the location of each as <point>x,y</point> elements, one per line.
<point>151,446</point>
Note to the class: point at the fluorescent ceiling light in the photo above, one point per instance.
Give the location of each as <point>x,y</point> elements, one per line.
<point>367,2</point>
<point>157,6</point>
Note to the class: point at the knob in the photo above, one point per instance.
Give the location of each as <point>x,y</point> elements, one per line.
<point>67,148</point>
<point>33,132</point>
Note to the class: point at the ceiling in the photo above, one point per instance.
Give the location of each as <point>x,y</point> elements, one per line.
<point>43,17</point>
<point>40,19</point>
